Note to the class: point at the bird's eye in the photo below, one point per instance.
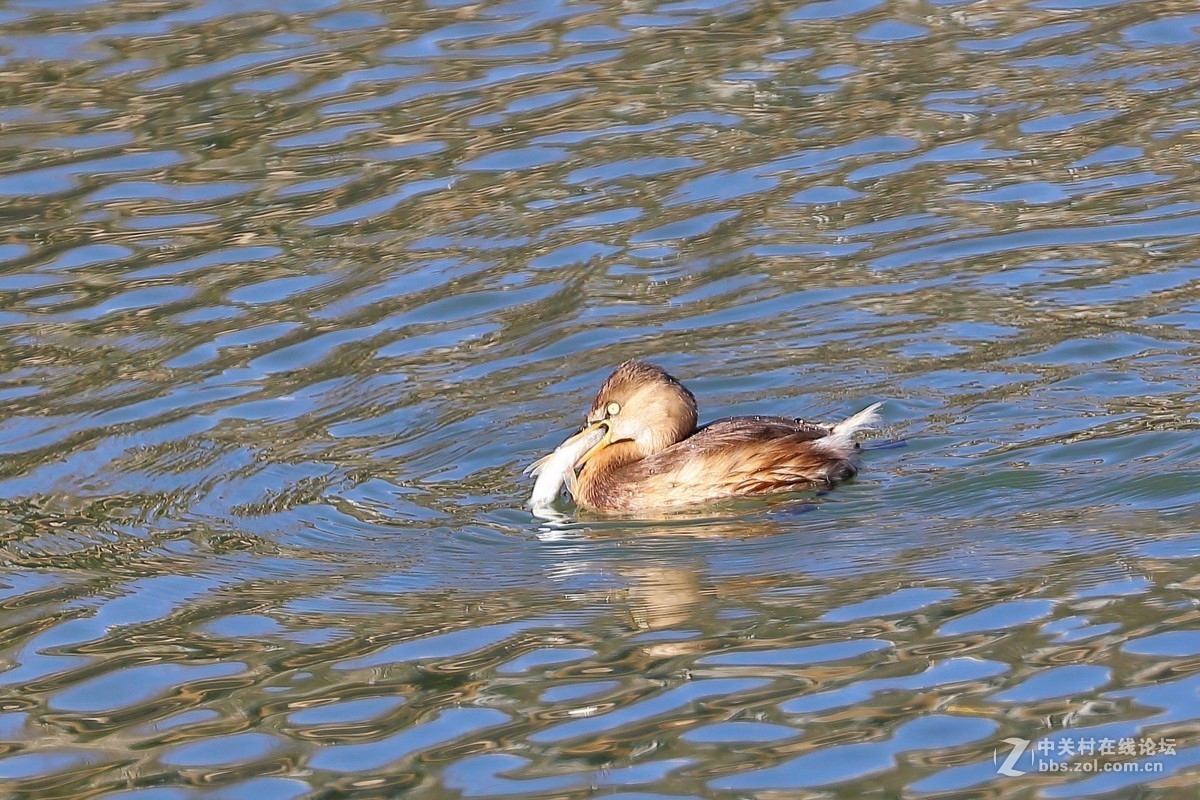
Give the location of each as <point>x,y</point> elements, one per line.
<point>613,409</point>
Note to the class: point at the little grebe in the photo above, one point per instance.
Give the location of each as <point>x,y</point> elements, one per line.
<point>640,449</point>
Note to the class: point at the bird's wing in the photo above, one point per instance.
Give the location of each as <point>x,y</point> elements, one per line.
<point>746,455</point>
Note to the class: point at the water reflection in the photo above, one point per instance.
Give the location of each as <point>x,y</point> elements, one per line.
<point>292,291</point>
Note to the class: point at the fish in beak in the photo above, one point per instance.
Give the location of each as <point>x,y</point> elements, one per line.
<point>559,467</point>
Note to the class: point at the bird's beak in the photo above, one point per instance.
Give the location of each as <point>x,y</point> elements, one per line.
<point>588,434</point>
<point>601,429</point>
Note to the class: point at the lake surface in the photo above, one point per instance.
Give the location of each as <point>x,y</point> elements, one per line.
<point>292,291</point>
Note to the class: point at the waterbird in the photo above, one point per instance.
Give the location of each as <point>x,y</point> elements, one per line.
<point>640,449</point>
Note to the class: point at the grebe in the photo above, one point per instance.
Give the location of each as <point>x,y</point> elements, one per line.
<point>640,449</point>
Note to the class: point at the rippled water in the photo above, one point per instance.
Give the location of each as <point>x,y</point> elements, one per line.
<point>292,290</point>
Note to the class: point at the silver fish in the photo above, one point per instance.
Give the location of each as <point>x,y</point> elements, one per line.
<point>558,468</point>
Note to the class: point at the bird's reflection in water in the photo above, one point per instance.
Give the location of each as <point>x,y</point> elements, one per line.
<point>661,597</point>
<point>664,582</point>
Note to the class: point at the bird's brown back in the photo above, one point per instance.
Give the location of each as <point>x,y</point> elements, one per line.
<point>728,458</point>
